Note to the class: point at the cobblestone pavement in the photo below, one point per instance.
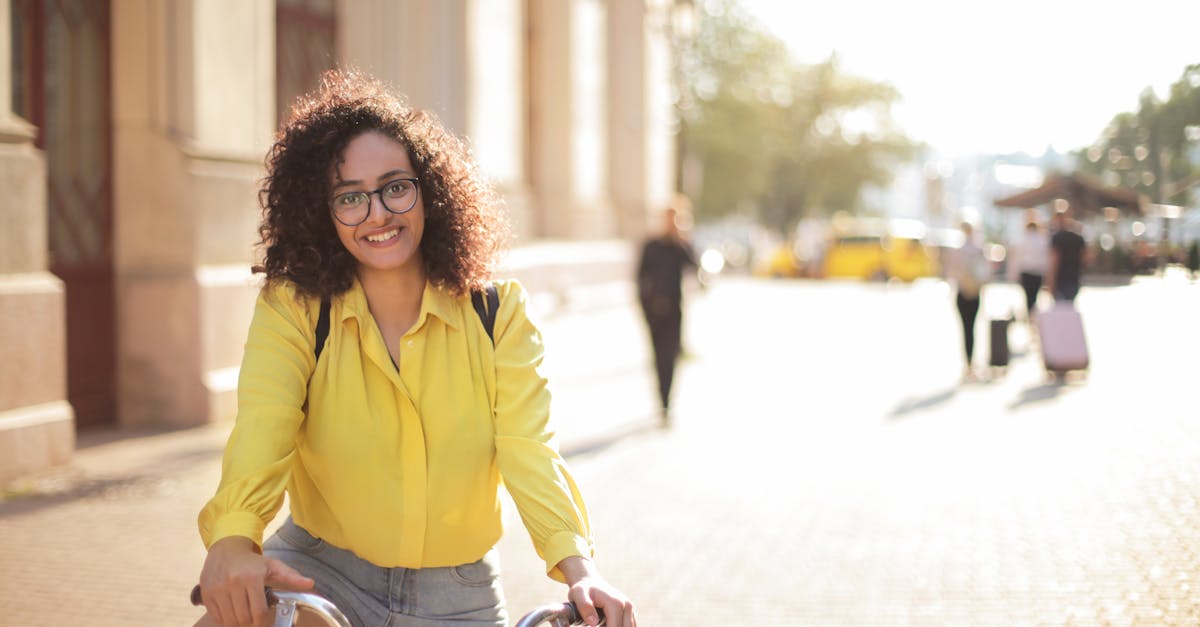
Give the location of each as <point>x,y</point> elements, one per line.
<point>825,466</point>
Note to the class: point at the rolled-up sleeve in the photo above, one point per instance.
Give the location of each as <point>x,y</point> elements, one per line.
<point>535,474</point>
<point>272,387</point>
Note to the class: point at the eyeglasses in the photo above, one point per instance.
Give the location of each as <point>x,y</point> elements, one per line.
<point>397,196</point>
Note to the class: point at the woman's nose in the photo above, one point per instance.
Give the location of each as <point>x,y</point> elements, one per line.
<point>376,212</point>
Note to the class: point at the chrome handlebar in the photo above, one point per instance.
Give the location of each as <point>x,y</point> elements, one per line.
<point>555,615</point>
<point>288,604</point>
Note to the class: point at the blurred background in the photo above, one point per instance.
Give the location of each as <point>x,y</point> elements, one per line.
<point>845,142</point>
<point>829,153</point>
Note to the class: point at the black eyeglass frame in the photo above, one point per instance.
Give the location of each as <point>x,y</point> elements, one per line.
<point>383,201</point>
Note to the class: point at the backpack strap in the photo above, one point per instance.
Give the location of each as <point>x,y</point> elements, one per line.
<point>322,327</point>
<point>487,314</point>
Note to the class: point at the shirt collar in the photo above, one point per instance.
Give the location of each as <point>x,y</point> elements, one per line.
<point>441,304</point>
<point>434,301</point>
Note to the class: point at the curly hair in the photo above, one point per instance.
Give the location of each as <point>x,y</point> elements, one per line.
<point>465,228</point>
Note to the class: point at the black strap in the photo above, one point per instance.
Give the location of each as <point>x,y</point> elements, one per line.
<point>322,326</point>
<point>487,315</point>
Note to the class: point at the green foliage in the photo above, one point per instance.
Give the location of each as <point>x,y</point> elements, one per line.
<point>788,140</point>
<point>1152,150</point>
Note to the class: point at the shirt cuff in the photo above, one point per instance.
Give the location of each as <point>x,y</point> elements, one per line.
<point>244,524</point>
<point>561,546</point>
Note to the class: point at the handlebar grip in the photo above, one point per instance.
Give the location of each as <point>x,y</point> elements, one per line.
<point>573,617</point>
<point>198,598</point>
<point>556,614</point>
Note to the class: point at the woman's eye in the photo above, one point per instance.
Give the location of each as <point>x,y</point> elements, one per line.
<point>349,200</point>
<point>398,188</point>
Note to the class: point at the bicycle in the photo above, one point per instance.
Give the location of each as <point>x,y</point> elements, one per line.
<point>288,604</point>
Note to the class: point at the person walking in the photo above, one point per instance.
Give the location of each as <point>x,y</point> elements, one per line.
<point>1193,259</point>
<point>968,272</point>
<point>664,259</point>
<point>1067,249</point>
<point>375,395</point>
<point>1028,262</point>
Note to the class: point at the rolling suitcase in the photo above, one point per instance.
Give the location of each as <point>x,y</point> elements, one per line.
<point>1060,332</point>
<point>998,355</point>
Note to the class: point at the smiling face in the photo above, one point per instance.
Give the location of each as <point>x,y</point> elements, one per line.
<point>385,241</point>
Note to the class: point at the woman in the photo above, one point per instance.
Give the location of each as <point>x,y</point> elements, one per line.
<point>1028,263</point>
<point>969,272</point>
<point>392,442</point>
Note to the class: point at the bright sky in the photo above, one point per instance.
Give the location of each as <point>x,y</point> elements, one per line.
<point>998,77</point>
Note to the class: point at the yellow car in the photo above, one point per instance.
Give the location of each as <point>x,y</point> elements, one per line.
<point>908,259</point>
<point>879,257</point>
<point>781,263</point>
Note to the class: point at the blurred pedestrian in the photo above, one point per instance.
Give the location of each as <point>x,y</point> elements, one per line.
<point>1067,249</point>
<point>1193,259</point>
<point>968,273</point>
<point>1028,261</point>
<point>378,396</point>
<point>664,259</point>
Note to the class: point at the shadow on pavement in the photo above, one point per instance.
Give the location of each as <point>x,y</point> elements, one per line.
<point>1038,393</point>
<point>908,406</point>
<point>104,435</point>
<point>153,471</point>
<point>59,491</point>
<point>587,446</point>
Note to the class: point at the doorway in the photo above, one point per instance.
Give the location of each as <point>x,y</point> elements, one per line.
<point>61,84</point>
<point>305,32</point>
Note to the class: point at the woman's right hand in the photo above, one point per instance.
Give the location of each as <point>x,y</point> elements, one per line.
<point>233,579</point>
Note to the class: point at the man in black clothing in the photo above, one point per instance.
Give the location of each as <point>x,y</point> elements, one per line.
<point>659,278</point>
<point>1066,258</point>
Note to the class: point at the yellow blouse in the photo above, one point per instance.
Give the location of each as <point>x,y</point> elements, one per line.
<point>402,465</point>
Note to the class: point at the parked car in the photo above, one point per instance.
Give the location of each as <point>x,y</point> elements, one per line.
<point>779,263</point>
<point>876,250</point>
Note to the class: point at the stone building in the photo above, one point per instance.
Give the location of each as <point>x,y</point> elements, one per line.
<point>132,136</point>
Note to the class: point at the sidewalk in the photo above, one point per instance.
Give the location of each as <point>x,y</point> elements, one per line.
<point>828,467</point>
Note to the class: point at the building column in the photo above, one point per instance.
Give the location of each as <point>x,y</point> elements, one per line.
<point>36,422</point>
<point>641,152</point>
<point>417,47</point>
<point>193,115</point>
<point>496,102</point>
<point>568,118</point>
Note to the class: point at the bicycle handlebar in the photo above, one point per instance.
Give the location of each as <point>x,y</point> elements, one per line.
<point>556,614</point>
<point>198,598</point>
<point>287,604</point>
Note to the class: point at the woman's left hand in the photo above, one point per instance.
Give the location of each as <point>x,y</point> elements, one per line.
<point>589,592</point>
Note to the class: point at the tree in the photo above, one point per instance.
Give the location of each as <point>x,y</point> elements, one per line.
<point>1150,150</point>
<point>785,140</point>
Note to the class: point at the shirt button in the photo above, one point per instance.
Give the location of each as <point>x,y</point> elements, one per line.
<point>411,343</point>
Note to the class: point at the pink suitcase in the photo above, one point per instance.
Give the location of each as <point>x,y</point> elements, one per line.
<point>1060,331</point>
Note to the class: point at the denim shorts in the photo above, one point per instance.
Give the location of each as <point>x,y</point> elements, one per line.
<point>373,596</point>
